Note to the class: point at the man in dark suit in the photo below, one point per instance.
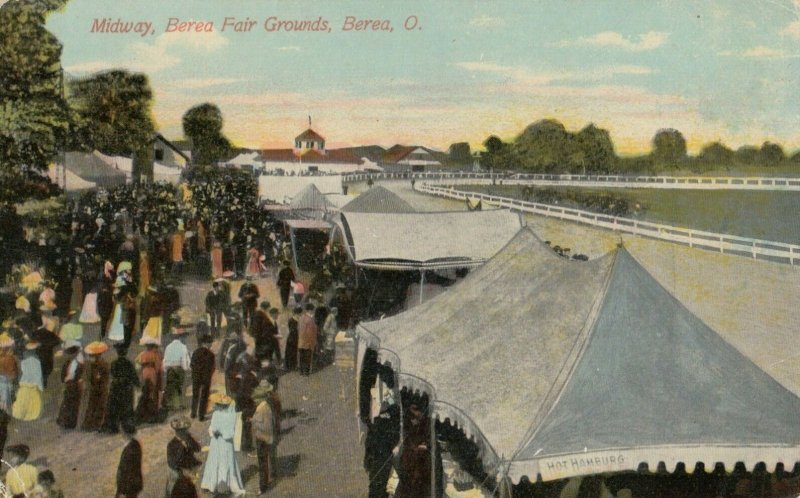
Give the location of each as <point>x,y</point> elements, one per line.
<point>180,451</point>
<point>129,472</point>
<point>202,365</point>
<point>262,330</point>
<point>249,295</point>
<point>215,305</point>
<point>285,279</point>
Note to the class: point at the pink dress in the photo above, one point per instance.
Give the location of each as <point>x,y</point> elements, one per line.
<point>254,266</point>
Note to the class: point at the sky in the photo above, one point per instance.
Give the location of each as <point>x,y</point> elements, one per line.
<point>462,71</point>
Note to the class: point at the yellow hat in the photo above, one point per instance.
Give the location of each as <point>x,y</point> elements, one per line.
<point>96,347</point>
<point>220,399</point>
<point>6,341</point>
<point>23,304</point>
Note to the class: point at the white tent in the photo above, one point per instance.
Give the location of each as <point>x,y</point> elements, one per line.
<point>161,172</point>
<point>74,182</point>
<point>280,189</point>
<point>407,241</point>
<point>560,368</point>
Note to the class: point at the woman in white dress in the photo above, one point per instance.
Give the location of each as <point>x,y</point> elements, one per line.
<point>89,309</point>
<point>221,472</point>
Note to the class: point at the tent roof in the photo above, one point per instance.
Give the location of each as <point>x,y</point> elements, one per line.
<point>427,240</point>
<point>378,199</point>
<point>565,368</point>
<point>310,198</point>
<point>279,188</point>
<point>73,181</point>
<point>92,168</point>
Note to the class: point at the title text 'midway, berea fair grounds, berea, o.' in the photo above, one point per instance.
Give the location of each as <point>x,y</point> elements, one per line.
<point>271,24</point>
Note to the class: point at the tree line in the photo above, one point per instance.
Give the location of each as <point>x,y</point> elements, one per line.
<point>547,147</point>
<point>44,112</point>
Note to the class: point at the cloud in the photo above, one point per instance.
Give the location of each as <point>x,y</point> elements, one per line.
<point>792,30</point>
<point>645,41</point>
<point>529,76</point>
<point>759,52</point>
<point>197,83</point>
<point>157,56</point>
<point>91,66</point>
<point>290,48</point>
<point>485,21</point>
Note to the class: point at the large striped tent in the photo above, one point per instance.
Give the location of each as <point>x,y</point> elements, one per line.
<point>559,368</point>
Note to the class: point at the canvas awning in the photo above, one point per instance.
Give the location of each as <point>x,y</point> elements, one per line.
<point>308,224</point>
<point>408,241</point>
<point>560,368</point>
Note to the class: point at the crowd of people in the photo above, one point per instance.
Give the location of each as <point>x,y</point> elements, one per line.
<point>104,274</point>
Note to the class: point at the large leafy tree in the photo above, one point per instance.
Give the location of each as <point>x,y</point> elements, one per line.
<point>545,147</point>
<point>34,117</point>
<point>772,154</point>
<point>595,151</point>
<point>203,125</point>
<point>716,153</point>
<point>669,148</point>
<point>460,152</point>
<point>114,109</point>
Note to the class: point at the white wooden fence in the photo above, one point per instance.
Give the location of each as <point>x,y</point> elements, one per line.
<point>607,181</point>
<point>718,242</point>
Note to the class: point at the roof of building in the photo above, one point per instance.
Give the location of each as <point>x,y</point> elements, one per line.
<point>159,137</point>
<point>398,152</point>
<point>334,156</point>
<point>310,134</point>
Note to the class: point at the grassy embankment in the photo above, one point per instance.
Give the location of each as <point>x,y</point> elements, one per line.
<point>769,215</point>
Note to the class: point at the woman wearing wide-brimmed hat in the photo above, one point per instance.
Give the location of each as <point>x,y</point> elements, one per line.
<point>97,376</point>
<point>28,405</point>
<point>221,472</point>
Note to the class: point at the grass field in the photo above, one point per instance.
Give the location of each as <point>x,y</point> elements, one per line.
<point>768,215</point>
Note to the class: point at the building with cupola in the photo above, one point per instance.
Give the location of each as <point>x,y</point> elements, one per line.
<point>307,156</point>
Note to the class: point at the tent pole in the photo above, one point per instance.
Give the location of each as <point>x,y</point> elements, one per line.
<point>294,247</point>
<point>421,284</point>
<point>433,449</point>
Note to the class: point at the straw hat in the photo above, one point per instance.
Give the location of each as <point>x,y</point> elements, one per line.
<point>124,266</point>
<point>180,422</point>
<point>30,345</point>
<point>220,399</point>
<point>96,347</point>
<point>6,341</point>
<point>23,304</point>
<point>48,306</point>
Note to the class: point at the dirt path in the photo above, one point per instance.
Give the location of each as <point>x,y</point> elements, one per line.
<point>319,454</point>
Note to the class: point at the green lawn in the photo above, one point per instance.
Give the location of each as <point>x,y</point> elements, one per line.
<point>768,215</point>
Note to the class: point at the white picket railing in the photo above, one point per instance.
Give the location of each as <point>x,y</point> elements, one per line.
<point>755,248</point>
<point>615,181</point>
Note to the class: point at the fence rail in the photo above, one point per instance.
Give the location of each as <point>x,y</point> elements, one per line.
<point>723,243</point>
<point>613,181</point>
